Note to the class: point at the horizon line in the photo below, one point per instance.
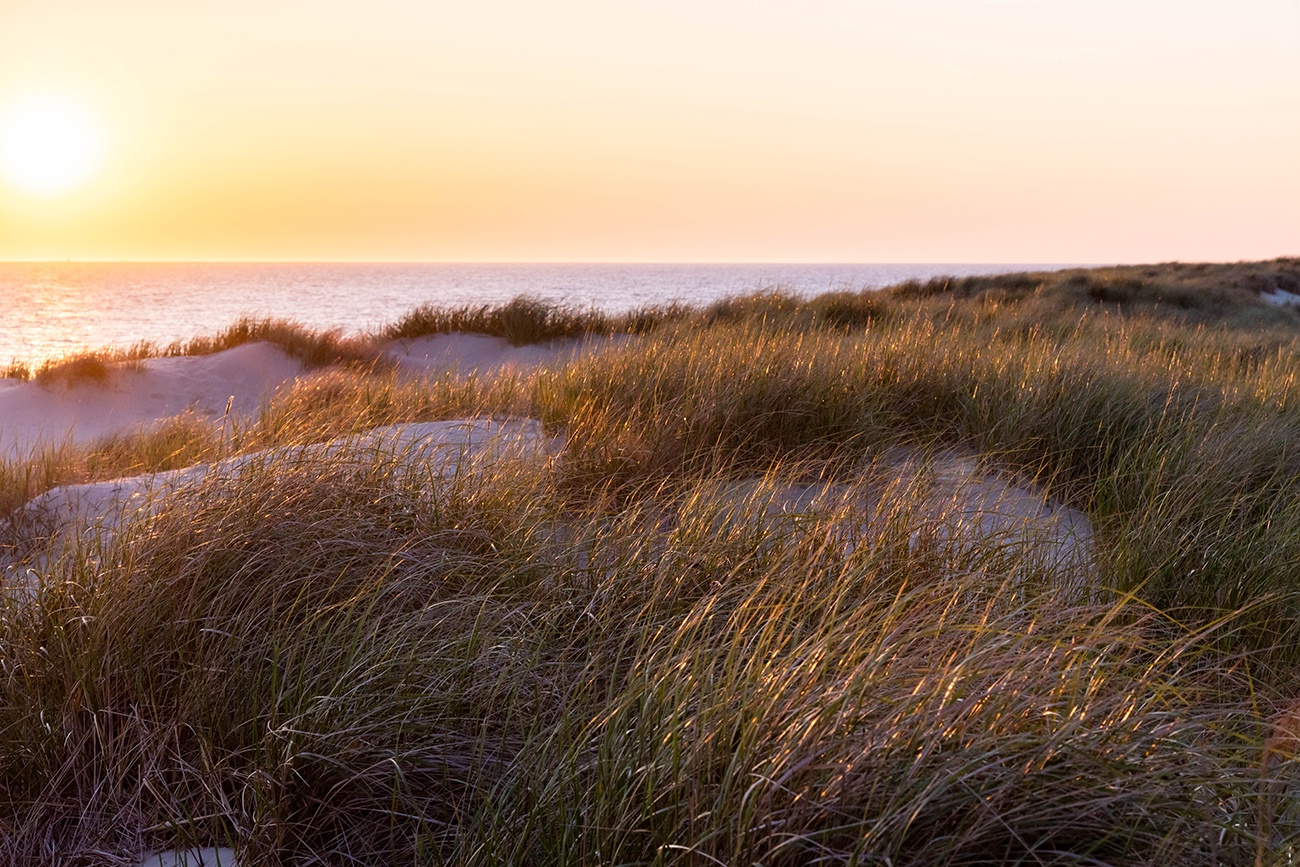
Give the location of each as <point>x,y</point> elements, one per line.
<point>535,262</point>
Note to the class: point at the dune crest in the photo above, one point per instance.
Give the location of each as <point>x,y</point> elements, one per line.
<point>138,395</point>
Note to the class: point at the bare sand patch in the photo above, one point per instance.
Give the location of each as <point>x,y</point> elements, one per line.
<point>139,395</point>
<point>947,500</point>
<point>92,512</point>
<point>485,355</point>
<point>200,857</point>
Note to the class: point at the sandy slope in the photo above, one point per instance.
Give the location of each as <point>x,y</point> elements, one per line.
<point>484,354</point>
<point>441,447</point>
<point>952,501</point>
<point>137,396</point>
<point>134,397</point>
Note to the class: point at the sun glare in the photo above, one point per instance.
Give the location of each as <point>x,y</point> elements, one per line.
<point>49,146</point>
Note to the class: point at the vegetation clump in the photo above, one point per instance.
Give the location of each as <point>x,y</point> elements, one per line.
<point>314,348</point>
<point>1193,293</point>
<point>87,367</point>
<point>644,649</point>
<point>521,321</point>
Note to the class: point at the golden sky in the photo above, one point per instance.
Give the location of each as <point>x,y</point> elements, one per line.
<point>674,130</point>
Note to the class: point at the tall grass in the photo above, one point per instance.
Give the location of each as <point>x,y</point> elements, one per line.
<point>1189,474</point>
<point>526,320</point>
<point>1189,293</point>
<point>314,348</point>
<point>360,662</point>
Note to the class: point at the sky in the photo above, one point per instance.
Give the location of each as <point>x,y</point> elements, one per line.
<point>1079,131</point>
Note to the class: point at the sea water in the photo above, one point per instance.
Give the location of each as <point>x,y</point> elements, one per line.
<point>49,310</point>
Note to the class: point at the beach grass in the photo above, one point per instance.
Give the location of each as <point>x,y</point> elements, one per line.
<point>624,653</point>
<point>315,349</point>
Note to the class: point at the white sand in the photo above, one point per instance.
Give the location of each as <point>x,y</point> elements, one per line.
<point>483,354</point>
<point>955,503</point>
<point>207,857</point>
<point>94,511</point>
<point>137,397</point>
<point>1280,298</point>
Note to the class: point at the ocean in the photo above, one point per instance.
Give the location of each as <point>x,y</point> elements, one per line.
<point>49,310</point>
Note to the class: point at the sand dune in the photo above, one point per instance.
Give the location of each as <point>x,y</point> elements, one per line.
<point>485,354</point>
<point>962,500</point>
<point>136,396</point>
<point>442,447</point>
<point>951,500</point>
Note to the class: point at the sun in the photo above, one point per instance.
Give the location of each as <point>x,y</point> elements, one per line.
<point>50,146</point>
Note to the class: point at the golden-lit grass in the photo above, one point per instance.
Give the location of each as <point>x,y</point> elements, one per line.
<point>314,348</point>
<point>341,659</point>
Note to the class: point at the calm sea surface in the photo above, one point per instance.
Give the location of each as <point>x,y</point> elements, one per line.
<point>49,310</point>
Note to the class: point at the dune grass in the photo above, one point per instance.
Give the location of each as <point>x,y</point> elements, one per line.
<point>315,349</point>
<point>606,658</point>
<point>362,663</point>
<point>526,320</point>
<point>1190,293</point>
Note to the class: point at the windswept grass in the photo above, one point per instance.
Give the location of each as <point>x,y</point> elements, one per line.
<point>361,662</point>
<point>521,321</point>
<point>314,348</point>
<point>627,654</point>
<point>526,320</point>
<point>81,367</point>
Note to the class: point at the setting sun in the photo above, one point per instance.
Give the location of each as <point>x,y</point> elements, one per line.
<point>49,146</point>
